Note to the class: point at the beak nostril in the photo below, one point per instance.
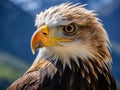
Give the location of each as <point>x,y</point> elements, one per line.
<point>44,33</point>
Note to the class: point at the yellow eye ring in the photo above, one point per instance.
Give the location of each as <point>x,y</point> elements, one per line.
<point>69,29</point>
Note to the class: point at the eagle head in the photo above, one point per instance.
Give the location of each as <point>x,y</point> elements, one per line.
<point>70,32</point>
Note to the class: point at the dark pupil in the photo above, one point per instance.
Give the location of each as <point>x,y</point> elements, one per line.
<point>69,28</point>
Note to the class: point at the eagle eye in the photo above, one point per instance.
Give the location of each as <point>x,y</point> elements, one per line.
<point>69,29</point>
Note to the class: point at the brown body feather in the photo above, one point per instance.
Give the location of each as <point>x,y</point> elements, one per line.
<point>50,77</point>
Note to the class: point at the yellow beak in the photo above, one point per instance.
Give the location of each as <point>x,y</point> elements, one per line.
<point>41,38</point>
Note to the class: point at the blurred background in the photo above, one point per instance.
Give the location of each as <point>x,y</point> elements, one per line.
<point>17,26</point>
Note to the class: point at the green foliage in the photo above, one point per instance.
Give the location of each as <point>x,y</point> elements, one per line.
<point>10,69</point>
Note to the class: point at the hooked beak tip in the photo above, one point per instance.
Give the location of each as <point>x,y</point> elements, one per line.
<point>33,50</point>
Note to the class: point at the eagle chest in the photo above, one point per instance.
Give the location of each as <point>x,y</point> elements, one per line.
<point>68,79</point>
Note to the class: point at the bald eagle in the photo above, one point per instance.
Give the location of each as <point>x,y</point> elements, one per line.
<point>73,52</point>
